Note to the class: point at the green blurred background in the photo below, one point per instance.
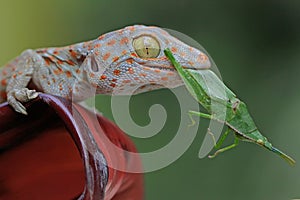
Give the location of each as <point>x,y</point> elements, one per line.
<point>256,46</point>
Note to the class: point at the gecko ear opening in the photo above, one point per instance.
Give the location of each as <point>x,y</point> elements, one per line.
<point>93,64</point>
<point>91,67</point>
<point>90,64</point>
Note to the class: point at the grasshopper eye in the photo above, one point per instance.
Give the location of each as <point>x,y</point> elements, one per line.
<point>146,46</point>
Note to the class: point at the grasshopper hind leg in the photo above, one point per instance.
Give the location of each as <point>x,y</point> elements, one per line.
<point>220,142</point>
<point>235,143</point>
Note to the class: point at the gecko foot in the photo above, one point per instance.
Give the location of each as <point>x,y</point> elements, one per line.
<point>16,96</point>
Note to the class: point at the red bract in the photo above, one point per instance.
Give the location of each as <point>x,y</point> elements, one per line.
<point>58,152</point>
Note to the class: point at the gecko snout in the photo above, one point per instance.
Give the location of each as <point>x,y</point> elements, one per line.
<point>191,58</point>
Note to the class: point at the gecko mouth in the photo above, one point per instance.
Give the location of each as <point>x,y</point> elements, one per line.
<point>162,65</point>
<point>162,68</point>
<point>168,68</point>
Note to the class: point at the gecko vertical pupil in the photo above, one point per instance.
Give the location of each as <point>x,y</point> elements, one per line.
<point>146,46</point>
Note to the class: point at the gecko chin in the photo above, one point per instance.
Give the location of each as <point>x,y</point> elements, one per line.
<point>137,88</point>
<point>151,87</point>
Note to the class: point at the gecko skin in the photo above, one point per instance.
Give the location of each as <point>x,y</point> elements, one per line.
<point>122,62</point>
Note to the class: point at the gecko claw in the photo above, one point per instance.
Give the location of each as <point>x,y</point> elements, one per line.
<point>17,96</point>
<point>18,107</point>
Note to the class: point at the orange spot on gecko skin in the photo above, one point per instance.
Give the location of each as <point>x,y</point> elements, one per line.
<point>53,80</point>
<point>59,62</point>
<point>164,78</point>
<point>126,81</point>
<point>3,82</point>
<point>147,68</point>
<point>92,75</point>
<point>174,49</point>
<point>103,77</point>
<point>113,85</point>
<point>78,71</point>
<point>68,74</point>
<point>121,31</point>
<point>14,76</point>
<point>124,41</point>
<point>98,45</point>
<point>112,42</point>
<point>106,56</point>
<point>170,73</point>
<point>133,54</point>
<point>201,58</point>
<point>60,87</point>
<point>143,74</point>
<point>70,62</point>
<point>129,61</point>
<point>20,72</point>
<point>97,53</point>
<point>130,70</point>
<point>55,52</point>
<point>182,54</point>
<point>47,61</point>
<point>116,72</point>
<point>114,80</point>
<point>157,70</point>
<point>101,37</point>
<point>89,47</point>
<point>191,63</point>
<point>58,71</point>
<point>115,59</point>
<point>124,52</point>
<point>136,78</point>
<point>131,28</point>
<point>73,53</point>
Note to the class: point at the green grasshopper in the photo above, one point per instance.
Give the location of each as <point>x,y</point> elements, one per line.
<point>236,116</point>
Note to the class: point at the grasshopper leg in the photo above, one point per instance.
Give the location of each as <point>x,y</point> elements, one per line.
<point>236,141</point>
<point>218,144</point>
<point>192,120</point>
<point>200,114</point>
<point>222,139</point>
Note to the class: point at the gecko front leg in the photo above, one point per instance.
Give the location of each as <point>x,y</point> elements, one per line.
<point>17,91</point>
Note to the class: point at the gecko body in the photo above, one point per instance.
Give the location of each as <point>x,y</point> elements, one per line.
<point>122,62</point>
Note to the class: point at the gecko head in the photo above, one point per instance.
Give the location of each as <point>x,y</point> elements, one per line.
<point>131,60</point>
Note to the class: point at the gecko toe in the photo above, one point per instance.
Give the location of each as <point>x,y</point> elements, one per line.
<point>18,107</point>
<point>24,94</point>
<point>32,94</point>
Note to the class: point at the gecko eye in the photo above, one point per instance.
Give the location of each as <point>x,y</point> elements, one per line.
<point>146,46</point>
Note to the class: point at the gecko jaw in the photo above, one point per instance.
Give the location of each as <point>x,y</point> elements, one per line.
<point>168,67</point>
